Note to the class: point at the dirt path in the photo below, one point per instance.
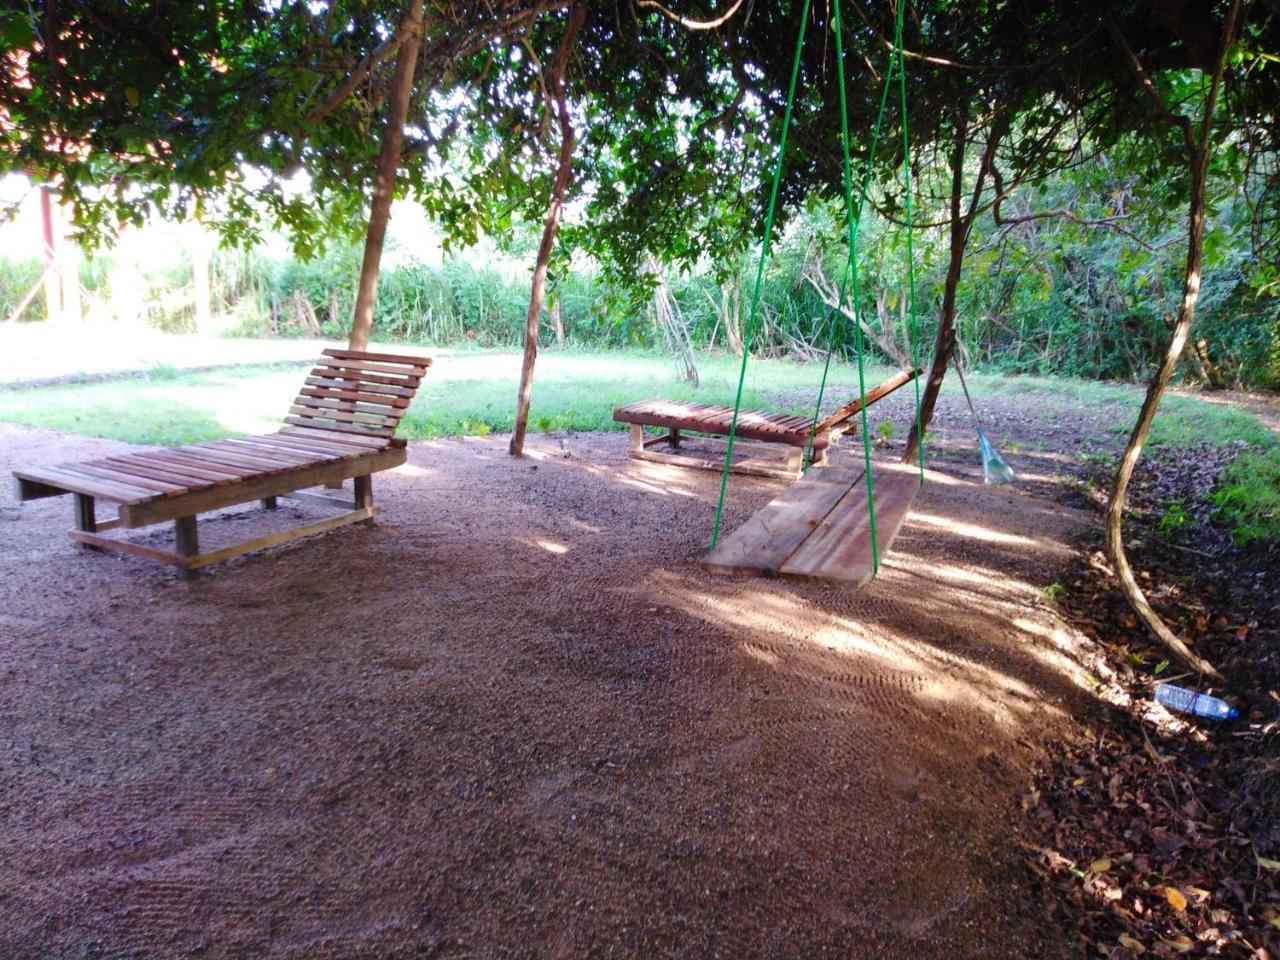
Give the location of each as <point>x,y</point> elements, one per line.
<point>515,720</point>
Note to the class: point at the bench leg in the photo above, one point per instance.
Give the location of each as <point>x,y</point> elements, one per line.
<point>269,503</point>
<point>637,439</point>
<point>86,517</point>
<point>187,543</point>
<point>673,438</point>
<point>364,494</point>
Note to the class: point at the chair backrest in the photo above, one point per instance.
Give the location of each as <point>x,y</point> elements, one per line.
<point>358,393</point>
<point>840,415</point>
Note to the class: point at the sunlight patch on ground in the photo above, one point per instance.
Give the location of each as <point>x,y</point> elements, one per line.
<point>970,530</point>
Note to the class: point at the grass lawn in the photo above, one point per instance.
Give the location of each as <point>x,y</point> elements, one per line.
<point>472,392</point>
<point>465,393</point>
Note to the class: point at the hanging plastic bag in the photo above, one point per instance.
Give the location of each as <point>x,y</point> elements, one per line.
<point>994,469</point>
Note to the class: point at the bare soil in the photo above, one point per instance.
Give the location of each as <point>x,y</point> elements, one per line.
<point>514,719</point>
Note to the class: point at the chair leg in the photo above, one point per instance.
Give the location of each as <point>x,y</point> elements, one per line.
<point>86,517</point>
<point>364,493</point>
<point>187,543</point>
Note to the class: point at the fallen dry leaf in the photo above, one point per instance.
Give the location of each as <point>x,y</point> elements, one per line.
<point>1132,945</point>
<point>1175,898</point>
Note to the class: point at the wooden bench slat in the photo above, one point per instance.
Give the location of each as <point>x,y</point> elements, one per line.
<point>357,396</point>
<point>92,469</point>
<point>318,446</point>
<point>354,417</point>
<point>252,465</point>
<point>265,454</point>
<point>405,359</point>
<point>375,372</point>
<point>266,447</point>
<point>384,432</point>
<point>90,486</point>
<point>167,473</point>
<point>187,463</point>
<point>351,383</point>
<point>209,465</point>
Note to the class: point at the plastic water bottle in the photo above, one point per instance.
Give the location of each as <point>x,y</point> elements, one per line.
<point>1199,704</point>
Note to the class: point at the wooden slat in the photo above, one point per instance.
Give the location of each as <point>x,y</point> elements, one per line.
<point>841,414</point>
<point>188,464</point>
<point>258,488</point>
<point>839,549</point>
<point>204,466</point>
<point>165,474</point>
<point>380,408</point>
<point>354,417</point>
<point>373,372</point>
<point>333,393</point>
<point>349,383</point>
<point>282,536</point>
<point>385,432</point>
<point>255,464</point>
<point>252,447</point>
<point>316,445</point>
<point>422,362</point>
<point>762,544</point>
<point>92,486</point>
<point>93,469</point>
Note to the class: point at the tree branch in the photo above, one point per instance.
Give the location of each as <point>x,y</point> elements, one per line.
<point>685,21</point>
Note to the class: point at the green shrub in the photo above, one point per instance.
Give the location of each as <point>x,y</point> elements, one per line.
<point>1248,496</point>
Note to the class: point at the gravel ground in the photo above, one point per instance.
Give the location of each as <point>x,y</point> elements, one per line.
<point>514,719</point>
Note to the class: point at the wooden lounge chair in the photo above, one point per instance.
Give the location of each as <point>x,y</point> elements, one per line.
<point>757,431</point>
<point>340,427</point>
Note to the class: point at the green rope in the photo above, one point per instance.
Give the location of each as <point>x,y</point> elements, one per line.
<point>764,255</point>
<point>856,225</point>
<point>857,291</point>
<point>914,326</point>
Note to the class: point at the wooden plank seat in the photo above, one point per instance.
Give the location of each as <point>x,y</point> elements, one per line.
<point>757,431</point>
<point>819,528</point>
<point>341,427</point>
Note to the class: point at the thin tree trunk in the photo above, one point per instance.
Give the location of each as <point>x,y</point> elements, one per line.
<point>201,292</point>
<point>961,225</point>
<point>557,324</point>
<point>558,188</point>
<point>52,281</point>
<point>1198,157</point>
<point>945,341</point>
<point>384,183</point>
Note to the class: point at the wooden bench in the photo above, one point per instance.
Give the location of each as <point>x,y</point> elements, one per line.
<point>757,431</point>
<point>341,426</point>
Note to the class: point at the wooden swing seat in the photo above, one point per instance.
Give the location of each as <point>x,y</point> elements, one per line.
<point>341,426</point>
<point>757,432</point>
<point>818,529</point>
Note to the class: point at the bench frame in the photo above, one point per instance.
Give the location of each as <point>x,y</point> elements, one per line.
<point>789,467</point>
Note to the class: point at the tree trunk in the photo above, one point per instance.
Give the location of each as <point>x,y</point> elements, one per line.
<point>52,282</point>
<point>202,293</point>
<point>1133,450</point>
<point>1198,153</point>
<point>945,341</point>
<point>384,183</point>
<point>556,323</point>
<point>561,184</point>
